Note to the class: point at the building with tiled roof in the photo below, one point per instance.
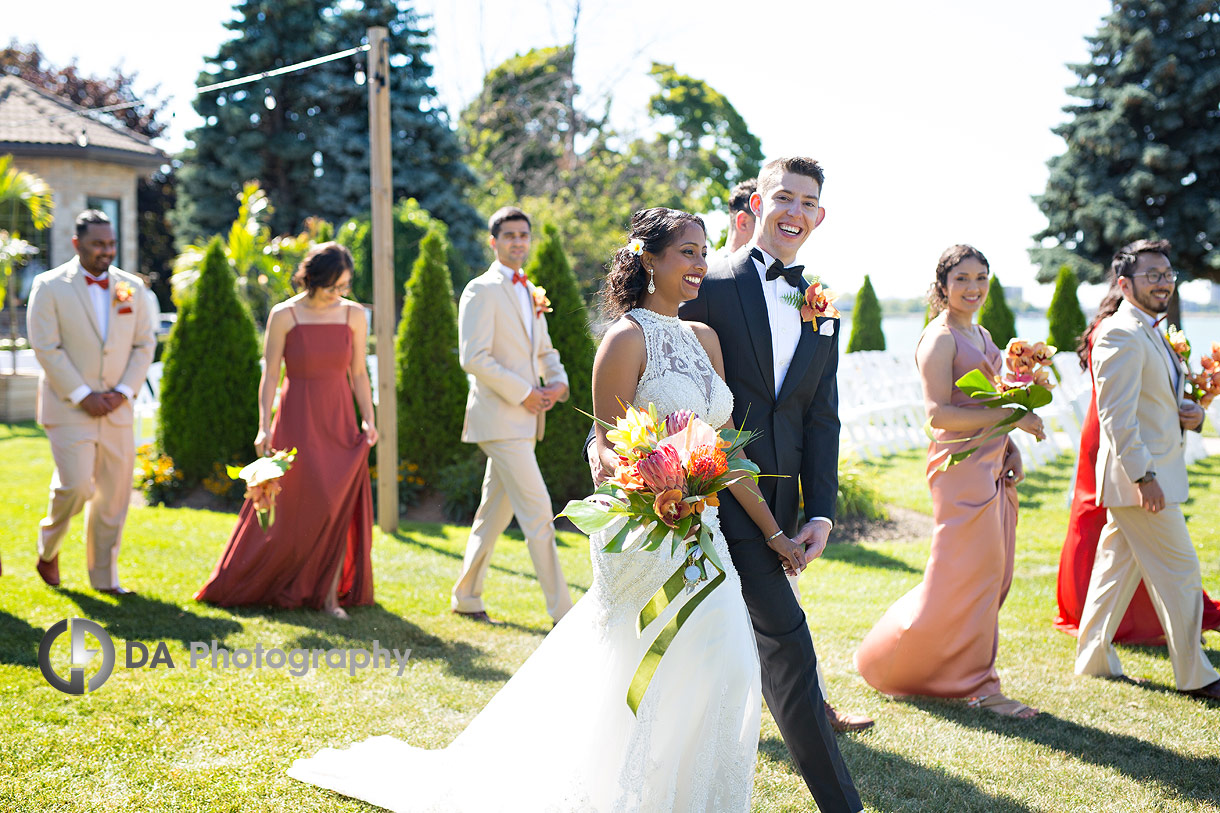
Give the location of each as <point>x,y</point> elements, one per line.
<point>89,161</point>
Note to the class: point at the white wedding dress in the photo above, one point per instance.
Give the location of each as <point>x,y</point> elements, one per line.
<point>560,736</point>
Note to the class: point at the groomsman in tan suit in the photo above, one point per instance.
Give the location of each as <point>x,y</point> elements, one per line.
<point>1141,473</point>
<point>92,332</point>
<point>515,378</point>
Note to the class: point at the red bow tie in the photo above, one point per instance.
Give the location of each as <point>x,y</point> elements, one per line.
<point>1157,323</point>
<point>518,277</point>
<point>104,284</point>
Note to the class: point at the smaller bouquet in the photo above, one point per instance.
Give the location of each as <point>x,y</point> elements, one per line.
<point>1201,387</point>
<point>669,472</point>
<point>1023,386</point>
<point>263,482</point>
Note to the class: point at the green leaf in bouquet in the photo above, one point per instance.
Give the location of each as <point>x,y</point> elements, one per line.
<point>615,545</point>
<point>680,532</point>
<point>589,516</point>
<point>656,536</point>
<point>974,382</point>
<point>265,518</point>
<point>709,550</point>
<point>743,464</point>
<point>1032,397</point>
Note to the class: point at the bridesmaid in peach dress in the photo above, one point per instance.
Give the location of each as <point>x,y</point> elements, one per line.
<point>940,639</point>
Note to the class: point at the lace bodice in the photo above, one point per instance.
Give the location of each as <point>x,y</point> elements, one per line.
<point>678,374</point>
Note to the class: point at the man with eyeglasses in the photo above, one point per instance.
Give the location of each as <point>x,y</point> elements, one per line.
<point>1141,476</point>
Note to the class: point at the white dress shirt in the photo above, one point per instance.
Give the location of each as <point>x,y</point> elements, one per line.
<point>100,297</point>
<point>524,301</point>
<point>1174,361</point>
<point>783,319</point>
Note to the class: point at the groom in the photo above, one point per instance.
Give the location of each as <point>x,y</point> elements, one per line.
<point>782,374</point>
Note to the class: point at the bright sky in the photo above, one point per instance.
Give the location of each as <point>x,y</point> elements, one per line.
<point>932,119</point>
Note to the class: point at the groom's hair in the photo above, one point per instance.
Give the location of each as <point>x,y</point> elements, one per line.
<point>1122,265</point>
<point>89,217</point>
<point>502,216</point>
<point>772,173</point>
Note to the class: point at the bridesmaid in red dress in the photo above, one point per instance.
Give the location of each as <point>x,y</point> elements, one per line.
<point>1140,624</point>
<point>940,639</point>
<point>317,552</point>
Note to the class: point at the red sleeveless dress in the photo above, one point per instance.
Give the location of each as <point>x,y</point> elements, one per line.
<point>1140,624</point>
<point>324,511</point>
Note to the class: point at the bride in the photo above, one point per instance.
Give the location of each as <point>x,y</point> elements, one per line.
<point>560,736</point>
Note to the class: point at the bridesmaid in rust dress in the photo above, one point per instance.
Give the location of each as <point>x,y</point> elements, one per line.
<point>317,552</point>
<point>940,639</point>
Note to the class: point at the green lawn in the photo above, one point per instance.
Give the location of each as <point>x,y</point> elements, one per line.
<point>203,739</point>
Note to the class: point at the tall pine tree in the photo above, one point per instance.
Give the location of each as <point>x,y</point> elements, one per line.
<point>565,472</point>
<point>1142,157</point>
<point>996,316</point>
<point>866,321</point>
<point>1064,317</point>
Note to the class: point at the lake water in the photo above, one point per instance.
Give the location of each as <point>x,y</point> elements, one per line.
<point>902,332</point>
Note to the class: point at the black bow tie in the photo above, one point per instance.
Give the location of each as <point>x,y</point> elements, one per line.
<point>792,273</point>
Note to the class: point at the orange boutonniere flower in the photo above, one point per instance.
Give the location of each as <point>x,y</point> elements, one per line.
<point>541,303</point>
<point>123,292</point>
<point>817,301</point>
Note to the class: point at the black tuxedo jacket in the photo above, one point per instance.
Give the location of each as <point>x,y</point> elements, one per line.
<point>799,428</point>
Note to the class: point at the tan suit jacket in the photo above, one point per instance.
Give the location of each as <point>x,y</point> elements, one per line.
<point>67,341</point>
<point>1138,407</point>
<point>502,360</point>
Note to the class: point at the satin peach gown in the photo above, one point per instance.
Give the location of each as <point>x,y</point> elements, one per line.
<point>940,639</point>
<point>324,514</point>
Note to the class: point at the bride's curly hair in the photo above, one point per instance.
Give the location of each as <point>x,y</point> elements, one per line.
<point>656,228</point>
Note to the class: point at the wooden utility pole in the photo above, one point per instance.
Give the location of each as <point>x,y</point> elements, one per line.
<point>382,190</point>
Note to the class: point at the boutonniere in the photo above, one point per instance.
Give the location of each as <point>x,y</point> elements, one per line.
<point>817,301</point>
<point>123,292</point>
<point>1178,341</point>
<point>541,303</point>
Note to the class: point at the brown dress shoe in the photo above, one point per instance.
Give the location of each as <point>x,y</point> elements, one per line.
<point>1209,692</point>
<point>116,591</point>
<point>49,571</point>
<point>847,722</point>
<point>481,616</point>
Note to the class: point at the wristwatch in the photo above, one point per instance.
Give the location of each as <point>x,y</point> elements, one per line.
<point>1147,478</point>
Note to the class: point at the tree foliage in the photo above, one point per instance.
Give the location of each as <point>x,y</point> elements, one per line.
<point>866,321</point>
<point>1064,316</point>
<point>996,316</point>
<point>1142,157</point>
<point>559,458</point>
<point>430,382</point>
<point>209,384</point>
<point>305,136</point>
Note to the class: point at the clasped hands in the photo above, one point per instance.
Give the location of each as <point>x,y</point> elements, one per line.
<point>98,404</point>
<point>542,399</point>
<point>808,544</point>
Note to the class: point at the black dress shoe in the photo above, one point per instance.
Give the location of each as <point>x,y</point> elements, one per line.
<point>481,616</point>
<point>1209,692</point>
<point>116,591</point>
<point>49,570</point>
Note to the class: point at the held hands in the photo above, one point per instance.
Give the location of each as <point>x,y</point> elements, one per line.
<point>1152,499</point>
<point>1031,423</point>
<point>1190,415</point>
<point>554,393</point>
<point>812,537</point>
<point>536,401</point>
<point>791,555</point>
<point>97,404</point>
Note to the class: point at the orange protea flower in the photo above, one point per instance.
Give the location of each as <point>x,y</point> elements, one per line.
<point>671,507</point>
<point>707,463</point>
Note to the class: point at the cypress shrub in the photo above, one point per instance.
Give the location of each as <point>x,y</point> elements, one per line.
<point>996,316</point>
<point>563,469</point>
<point>1064,316</point>
<point>209,384</point>
<point>866,321</point>
<point>430,382</point>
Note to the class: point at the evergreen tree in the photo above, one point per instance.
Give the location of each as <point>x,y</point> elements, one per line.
<point>866,321</point>
<point>1142,157</point>
<point>564,471</point>
<point>1065,318</point>
<point>996,316</point>
<point>431,384</point>
<point>209,385</point>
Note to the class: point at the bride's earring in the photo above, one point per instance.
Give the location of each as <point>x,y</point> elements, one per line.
<point>652,289</point>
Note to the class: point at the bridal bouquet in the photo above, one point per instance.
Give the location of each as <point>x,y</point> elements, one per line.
<point>1022,386</point>
<point>1204,386</point>
<point>670,470</point>
<point>263,482</point>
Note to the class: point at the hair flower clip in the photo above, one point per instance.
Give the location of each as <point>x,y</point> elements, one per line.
<point>635,246</point>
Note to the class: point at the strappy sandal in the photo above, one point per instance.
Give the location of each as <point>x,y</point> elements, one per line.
<point>1003,706</point>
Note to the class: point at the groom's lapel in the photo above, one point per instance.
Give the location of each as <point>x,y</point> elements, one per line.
<point>754,311</point>
<point>803,354</point>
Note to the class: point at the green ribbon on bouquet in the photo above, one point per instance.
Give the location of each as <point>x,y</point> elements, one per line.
<point>652,658</point>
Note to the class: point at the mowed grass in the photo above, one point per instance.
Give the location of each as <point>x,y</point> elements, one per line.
<point>220,740</point>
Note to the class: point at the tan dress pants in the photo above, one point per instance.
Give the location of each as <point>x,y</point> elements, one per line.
<point>93,471</point>
<point>1136,544</point>
<point>512,484</point>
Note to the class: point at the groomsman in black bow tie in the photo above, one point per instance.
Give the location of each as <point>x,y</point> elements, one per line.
<point>781,370</point>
